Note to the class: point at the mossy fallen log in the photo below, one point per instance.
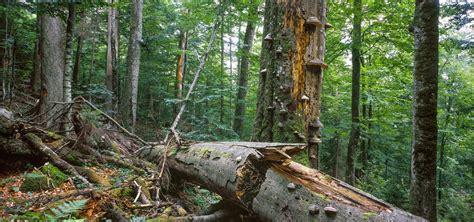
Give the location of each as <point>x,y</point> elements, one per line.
<point>262,179</point>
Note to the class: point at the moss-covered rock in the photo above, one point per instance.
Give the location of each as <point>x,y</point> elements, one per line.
<point>35,182</point>
<point>57,176</point>
<point>46,178</point>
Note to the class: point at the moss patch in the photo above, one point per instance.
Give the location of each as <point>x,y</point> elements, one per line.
<point>46,178</point>
<point>35,182</point>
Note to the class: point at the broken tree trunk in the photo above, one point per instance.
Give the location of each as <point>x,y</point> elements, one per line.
<point>262,178</point>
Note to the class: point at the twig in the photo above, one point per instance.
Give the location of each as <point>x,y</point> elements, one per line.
<point>139,191</point>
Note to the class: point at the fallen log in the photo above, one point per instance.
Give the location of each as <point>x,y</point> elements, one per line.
<point>262,179</point>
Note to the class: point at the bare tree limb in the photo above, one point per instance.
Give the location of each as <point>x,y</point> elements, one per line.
<point>191,88</point>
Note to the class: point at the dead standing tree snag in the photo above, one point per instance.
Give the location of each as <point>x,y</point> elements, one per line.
<point>292,64</point>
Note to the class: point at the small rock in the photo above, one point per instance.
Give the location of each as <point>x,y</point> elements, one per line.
<point>313,209</point>
<point>330,211</point>
<point>238,159</point>
<point>291,186</point>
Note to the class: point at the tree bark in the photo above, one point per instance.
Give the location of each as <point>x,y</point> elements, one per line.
<point>52,65</point>
<point>92,62</point>
<point>355,128</point>
<point>35,80</point>
<point>68,66</point>
<point>239,114</point>
<point>292,71</point>
<point>181,65</point>
<point>222,74</point>
<point>133,64</point>
<point>112,71</point>
<point>425,128</point>
<point>260,178</point>
<point>77,62</point>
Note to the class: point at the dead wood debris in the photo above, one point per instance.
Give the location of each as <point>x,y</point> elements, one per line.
<point>93,156</point>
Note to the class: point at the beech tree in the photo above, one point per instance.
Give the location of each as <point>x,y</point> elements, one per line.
<point>68,65</point>
<point>52,64</point>
<point>425,97</point>
<point>112,71</point>
<point>239,113</point>
<point>133,63</point>
<point>355,128</point>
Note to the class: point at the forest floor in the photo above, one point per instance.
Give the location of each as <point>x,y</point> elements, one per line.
<point>90,174</point>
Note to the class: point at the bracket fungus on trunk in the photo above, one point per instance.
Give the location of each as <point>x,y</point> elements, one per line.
<point>316,63</point>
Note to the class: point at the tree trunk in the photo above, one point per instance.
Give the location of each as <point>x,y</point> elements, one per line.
<point>335,169</point>
<point>291,71</point>
<point>112,71</point>
<point>77,62</point>
<point>35,80</point>
<point>262,91</point>
<point>222,74</point>
<point>91,68</point>
<point>355,128</point>
<point>133,64</point>
<point>181,65</point>
<point>260,178</point>
<point>425,128</point>
<point>67,97</point>
<point>239,114</point>
<point>52,65</point>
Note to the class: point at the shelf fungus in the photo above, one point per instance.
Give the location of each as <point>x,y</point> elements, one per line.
<point>317,124</point>
<point>313,22</point>
<point>263,71</point>
<point>316,63</point>
<point>304,98</point>
<point>327,25</point>
<point>268,38</point>
<point>330,211</point>
<point>314,140</point>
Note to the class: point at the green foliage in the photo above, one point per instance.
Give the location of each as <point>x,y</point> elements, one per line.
<point>387,85</point>
<point>201,197</point>
<point>66,210</point>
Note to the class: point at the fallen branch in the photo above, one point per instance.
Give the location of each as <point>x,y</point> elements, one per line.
<point>193,84</point>
<point>111,120</point>
<point>36,143</point>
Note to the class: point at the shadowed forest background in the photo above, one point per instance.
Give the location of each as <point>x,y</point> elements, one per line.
<point>223,105</point>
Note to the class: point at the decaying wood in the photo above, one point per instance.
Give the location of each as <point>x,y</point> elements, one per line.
<point>36,143</point>
<point>261,178</point>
